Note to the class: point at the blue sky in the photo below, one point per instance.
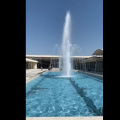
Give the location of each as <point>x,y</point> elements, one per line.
<point>45,20</point>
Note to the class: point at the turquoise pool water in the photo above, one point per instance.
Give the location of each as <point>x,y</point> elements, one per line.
<point>52,96</point>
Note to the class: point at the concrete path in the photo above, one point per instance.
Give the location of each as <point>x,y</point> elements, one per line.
<point>55,69</point>
<point>33,73</point>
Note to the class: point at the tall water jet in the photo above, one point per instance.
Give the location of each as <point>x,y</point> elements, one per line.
<point>66,53</point>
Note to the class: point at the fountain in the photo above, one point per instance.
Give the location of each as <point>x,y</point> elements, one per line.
<point>66,51</point>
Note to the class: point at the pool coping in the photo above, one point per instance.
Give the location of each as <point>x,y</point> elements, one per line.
<point>94,74</point>
<point>35,76</point>
<point>66,118</point>
<point>97,75</point>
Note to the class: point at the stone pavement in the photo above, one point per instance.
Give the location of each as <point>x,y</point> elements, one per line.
<point>65,118</point>
<point>33,73</point>
<point>55,69</point>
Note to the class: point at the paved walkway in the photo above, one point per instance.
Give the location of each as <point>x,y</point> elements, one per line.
<point>55,69</point>
<point>33,73</point>
<point>64,118</point>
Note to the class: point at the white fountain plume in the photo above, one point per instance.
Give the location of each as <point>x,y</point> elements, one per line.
<point>66,53</point>
<point>66,49</point>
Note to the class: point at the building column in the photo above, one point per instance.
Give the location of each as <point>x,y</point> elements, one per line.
<point>28,65</point>
<point>31,65</point>
<point>89,65</point>
<point>80,65</point>
<point>59,62</point>
<point>35,66</point>
<point>85,65</point>
<point>54,62</point>
<point>76,64</point>
<point>96,66</point>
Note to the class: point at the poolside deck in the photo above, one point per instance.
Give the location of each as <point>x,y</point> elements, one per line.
<point>33,73</point>
<point>64,118</point>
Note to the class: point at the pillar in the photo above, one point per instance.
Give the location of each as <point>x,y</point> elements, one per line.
<point>96,66</point>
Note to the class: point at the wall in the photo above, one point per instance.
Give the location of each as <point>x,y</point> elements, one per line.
<point>31,65</point>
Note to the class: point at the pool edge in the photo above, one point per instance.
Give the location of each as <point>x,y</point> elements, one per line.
<point>35,76</point>
<point>66,118</point>
<point>96,75</point>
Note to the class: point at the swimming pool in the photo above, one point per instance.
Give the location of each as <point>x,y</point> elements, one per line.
<point>52,96</point>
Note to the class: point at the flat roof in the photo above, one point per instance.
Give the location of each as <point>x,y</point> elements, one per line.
<point>54,56</point>
<point>29,60</point>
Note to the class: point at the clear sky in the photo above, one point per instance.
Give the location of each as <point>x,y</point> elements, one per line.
<point>45,20</point>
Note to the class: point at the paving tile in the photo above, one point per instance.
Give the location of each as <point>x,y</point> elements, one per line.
<point>29,118</point>
<point>67,118</point>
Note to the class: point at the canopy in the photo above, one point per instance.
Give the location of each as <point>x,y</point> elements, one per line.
<point>29,60</point>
